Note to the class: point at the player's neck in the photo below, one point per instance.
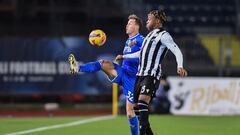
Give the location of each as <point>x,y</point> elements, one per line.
<point>159,26</point>
<point>132,34</point>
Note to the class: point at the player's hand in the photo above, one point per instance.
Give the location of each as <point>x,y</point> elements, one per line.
<point>119,57</point>
<point>182,72</point>
<point>132,43</point>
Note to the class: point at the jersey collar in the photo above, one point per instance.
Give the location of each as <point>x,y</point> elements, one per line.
<point>133,36</point>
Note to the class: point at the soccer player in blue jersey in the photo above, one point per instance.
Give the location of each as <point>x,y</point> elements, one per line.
<point>124,75</point>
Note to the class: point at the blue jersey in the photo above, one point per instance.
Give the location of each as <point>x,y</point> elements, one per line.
<point>131,65</point>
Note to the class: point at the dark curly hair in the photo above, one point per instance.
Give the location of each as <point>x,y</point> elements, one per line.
<point>159,14</point>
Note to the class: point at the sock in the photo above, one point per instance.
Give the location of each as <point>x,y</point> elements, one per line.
<point>90,67</point>
<point>144,118</point>
<point>149,130</point>
<point>133,122</point>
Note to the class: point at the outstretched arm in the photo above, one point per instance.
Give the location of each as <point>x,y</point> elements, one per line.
<point>129,56</point>
<point>132,55</point>
<point>172,46</point>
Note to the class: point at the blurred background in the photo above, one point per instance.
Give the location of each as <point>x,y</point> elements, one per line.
<point>37,36</point>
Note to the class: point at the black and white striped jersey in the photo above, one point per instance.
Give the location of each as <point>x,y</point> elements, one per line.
<point>154,48</point>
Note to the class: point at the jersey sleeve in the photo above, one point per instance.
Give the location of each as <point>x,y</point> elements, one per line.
<point>132,55</point>
<point>167,40</point>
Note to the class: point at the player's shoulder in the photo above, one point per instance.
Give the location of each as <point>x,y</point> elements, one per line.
<point>166,37</point>
<point>165,34</point>
<point>163,31</point>
<point>140,37</point>
<point>137,36</point>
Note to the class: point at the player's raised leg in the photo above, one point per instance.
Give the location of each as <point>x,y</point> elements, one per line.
<point>104,65</point>
<point>109,68</point>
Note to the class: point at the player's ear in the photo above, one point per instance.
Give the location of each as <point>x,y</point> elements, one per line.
<point>158,21</point>
<point>138,27</point>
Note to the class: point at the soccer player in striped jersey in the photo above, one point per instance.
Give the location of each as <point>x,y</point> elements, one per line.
<point>124,75</point>
<point>155,46</point>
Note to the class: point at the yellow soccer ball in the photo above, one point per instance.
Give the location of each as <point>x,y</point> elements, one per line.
<point>97,37</point>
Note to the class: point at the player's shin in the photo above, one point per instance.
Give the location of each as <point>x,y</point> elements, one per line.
<point>144,118</point>
<point>90,67</point>
<point>133,122</point>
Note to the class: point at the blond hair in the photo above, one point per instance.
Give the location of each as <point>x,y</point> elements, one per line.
<point>137,20</point>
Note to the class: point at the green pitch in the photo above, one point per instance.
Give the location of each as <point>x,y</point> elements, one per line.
<point>162,125</point>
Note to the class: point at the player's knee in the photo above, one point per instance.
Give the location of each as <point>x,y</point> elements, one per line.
<point>136,110</point>
<point>104,61</point>
<point>100,61</point>
<point>143,106</point>
<point>130,113</point>
<point>106,64</point>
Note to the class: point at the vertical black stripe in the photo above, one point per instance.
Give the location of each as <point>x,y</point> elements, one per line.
<point>150,34</point>
<point>160,60</point>
<point>158,70</point>
<point>140,62</point>
<point>147,54</point>
<point>156,51</point>
<point>148,51</point>
<point>163,55</point>
<point>145,41</point>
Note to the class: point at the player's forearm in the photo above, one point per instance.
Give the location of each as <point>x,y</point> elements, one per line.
<point>132,55</point>
<point>179,57</point>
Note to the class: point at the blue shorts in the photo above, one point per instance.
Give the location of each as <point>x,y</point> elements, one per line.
<point>126,80</point>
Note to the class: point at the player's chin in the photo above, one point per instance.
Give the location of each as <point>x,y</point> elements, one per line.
<point>149,27</point>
